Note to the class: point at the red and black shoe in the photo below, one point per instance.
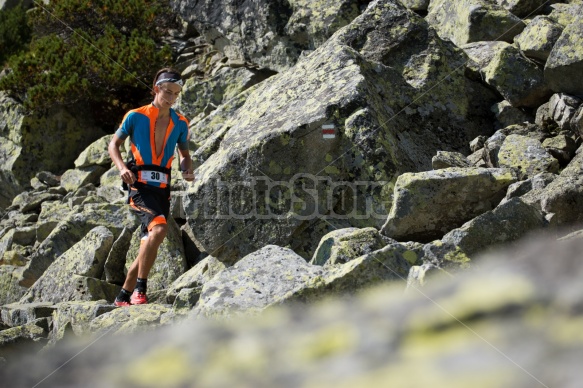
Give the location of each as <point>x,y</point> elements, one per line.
<point>121,303</point>
<point>139,298</point>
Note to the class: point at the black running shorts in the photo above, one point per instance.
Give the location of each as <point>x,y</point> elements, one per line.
<point>152,205</point>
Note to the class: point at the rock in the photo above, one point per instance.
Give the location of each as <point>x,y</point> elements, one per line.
<point>445,159</point>
<point>469,21</point>
<point>193,280</point>
<point>16,314</point>
<point>564,66</point>
<point>75,317</point>
<point>79,177</point>
<point>562,200</point>
<point>15,338</point>
<point>419,274</point>
<point>577,121</point>
<point>501,66</point>
<point>48,178</point>
<point>343,245</point>
<point>506,223</point>
<point>170,262</point>
<point>538,38</point>
<point>95,154</point>
<point>127,320</point>
<point>259,280</point>
<point>249,288</point>
<point>561,147</point>
<point>543,117</point>
<point>267,33</point>
<point>416,5</point>
<point>537,182</point>
<point>31,201</point>
<point>10,290</point>
<point>227,84</point>
<point>113,270</point>
<point>478,143</point>
<point>320,342</point>
<point>71,230</point>
<point>507,115</point>
<point>275,144</point>
<point>74,274</point>
<point>24,152</point>
<point>429,204</point>
<point>527,156</point>
<point>565,14</point>
<point>208,132</point>
<point>562,108</point>
<point>521,8</point>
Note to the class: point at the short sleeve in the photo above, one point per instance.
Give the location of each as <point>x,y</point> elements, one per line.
<point>126,128</point>
<point>184,135</point>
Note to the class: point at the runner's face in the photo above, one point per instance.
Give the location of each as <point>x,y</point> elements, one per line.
<point>167,93</point>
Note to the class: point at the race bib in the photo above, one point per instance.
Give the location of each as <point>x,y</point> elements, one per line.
<point>153,176</point>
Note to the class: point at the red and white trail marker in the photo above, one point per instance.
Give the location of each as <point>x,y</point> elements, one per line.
<point>328,131</point>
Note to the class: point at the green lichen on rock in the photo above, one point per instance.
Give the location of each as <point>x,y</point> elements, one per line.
<point>538,38</point>
<point>564,66</point>
<point>343,245</point>
<point>428,204</point>
<point>527,156</point>
<point>473,21</point>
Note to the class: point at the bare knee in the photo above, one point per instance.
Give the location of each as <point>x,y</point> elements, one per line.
<point>158,232</point>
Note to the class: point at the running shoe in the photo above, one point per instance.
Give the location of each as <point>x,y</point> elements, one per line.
<point>139,298</point>
<point>121,303</point>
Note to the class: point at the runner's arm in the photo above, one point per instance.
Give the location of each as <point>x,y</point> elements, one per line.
<point>186,165</point>
<point>126,175</point>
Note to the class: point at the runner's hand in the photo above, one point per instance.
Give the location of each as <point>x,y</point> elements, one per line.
<point>188,175</point>
<point>127,176</point>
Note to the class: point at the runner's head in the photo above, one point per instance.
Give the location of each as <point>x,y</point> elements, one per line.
<point>167,86</point>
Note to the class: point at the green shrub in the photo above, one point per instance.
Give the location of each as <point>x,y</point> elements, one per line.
<point>14,32</point>
<point>102,53</point>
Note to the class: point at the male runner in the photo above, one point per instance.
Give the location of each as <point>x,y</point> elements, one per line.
<point>154,131</point>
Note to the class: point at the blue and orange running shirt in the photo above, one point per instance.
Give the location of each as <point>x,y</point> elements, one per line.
<point>139,125</point>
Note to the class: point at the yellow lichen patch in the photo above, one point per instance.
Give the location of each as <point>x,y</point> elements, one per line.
<point>482,295</point>
<point>329,341</point>
<point>567,330</point>
<point>162,367</point>
<point>410,256</point>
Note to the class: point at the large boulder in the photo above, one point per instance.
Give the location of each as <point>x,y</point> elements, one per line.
<point>505,224</point>
<point>527,156</point>
<point>74,275</point>
<point>469,21</point>
<point>564,67</point>
<point>429,204</point>
<point>74,317</point>
<point>274,275</point>
<point>272,34</point>
<point>501,65</point>
<point>259,280</point>
<point>194,279</point>
<point>343,245</point>
<point>205,96</point>
<point>48,141</point>
<point>538,38</point>
<point>71,229</point>
<point>275,173</point>
<point>522,8</point>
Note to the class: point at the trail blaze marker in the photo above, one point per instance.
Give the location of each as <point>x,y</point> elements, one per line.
<point>328,131</point>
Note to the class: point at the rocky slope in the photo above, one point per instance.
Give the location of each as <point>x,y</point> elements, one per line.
<point>339,145</point>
